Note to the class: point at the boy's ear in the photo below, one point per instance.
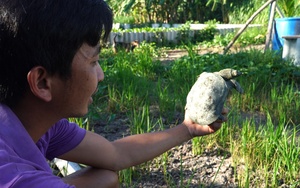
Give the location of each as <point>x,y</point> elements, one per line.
<point>40,83</point>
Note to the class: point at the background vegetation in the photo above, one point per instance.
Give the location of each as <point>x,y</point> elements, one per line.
<point>199,11</point>
<point>262,133</point>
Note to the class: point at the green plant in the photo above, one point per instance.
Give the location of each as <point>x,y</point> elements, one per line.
<point>82,122</point>
<point>290,8</point>
<point>206,34</point>
<point>124,19</point>
<point>262,131</point>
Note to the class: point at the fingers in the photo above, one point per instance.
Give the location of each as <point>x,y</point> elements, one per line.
<point>221,120</point>
<point>218,123</point>
<point>201,130</point>
<point>215,126</point>
<point>225,111</point>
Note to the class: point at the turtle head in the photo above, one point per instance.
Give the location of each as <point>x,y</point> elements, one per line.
<point>228,73</point>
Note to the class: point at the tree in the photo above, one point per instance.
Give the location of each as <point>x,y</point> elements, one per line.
<point>290,8</point>
<point>173,11</point>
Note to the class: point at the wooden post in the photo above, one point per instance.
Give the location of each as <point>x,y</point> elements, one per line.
<point>246,25</point>
<point>270,26</point>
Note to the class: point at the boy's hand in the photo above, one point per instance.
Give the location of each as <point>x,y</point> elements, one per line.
<point>201,130</point>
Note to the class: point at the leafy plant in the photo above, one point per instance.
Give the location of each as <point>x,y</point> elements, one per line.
<point>261,132</point>
<point>290,8</point>
<point>206,34</point>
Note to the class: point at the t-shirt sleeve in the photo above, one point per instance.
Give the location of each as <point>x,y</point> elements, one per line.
<point>36,179</point>
<point>20,173</point>
<point>64,136</point>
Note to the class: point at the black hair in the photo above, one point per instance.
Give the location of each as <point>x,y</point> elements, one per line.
<point>46,33</point>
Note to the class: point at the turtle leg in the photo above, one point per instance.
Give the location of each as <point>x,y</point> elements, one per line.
<point>221,117</point>
<point>237,86</point>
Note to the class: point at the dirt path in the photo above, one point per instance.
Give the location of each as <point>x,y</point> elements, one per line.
<point>180,167</point>
<point>171,55</point>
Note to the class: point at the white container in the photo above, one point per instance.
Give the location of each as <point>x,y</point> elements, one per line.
<point>155,25</point>
<point>126,26</point>
<point>291,48</point>
<point>166,25</point>
<point>116,26</point>
<point>176,25</point>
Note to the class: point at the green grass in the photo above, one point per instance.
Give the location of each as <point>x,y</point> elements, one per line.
<point>262,133</point>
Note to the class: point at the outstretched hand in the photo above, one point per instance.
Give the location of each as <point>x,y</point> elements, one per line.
<point>202,130</point>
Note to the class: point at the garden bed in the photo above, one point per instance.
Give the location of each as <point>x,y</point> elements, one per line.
<point>169,34</point>
<point>215,166</point>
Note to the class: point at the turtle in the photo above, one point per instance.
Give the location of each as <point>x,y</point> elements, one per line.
<point>205,100</point>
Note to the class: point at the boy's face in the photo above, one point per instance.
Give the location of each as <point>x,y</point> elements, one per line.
<point>85,75</point>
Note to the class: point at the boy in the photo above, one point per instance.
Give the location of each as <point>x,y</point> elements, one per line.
<point>49,71</point>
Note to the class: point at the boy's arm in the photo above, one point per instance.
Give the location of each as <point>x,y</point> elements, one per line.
<point>98,152</point>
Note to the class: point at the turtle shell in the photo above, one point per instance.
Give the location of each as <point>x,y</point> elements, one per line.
<point>206,98</point>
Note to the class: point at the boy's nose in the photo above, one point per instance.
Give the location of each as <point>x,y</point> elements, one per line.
<point>100,74</point>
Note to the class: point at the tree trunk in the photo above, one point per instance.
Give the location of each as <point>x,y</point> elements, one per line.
<point>225,15</point>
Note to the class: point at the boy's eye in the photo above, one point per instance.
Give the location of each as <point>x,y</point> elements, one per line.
<point>96,62</point>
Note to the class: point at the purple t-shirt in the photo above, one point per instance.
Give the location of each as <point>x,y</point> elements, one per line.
<point>22,162</point>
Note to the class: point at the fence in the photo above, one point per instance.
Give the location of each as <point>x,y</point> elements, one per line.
<point>170,34</point>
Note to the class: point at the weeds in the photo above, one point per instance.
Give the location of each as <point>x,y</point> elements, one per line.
<point>262,133</point>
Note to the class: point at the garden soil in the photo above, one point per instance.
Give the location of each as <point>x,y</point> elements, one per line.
<point>180,167</point>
